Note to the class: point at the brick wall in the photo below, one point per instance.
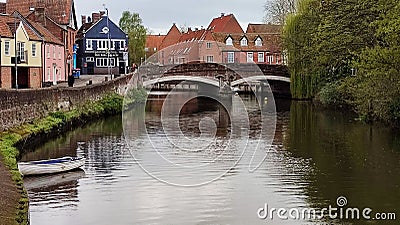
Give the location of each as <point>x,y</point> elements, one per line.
<point>22,106</point>
<point>6,77</point>
<point>35,77</point>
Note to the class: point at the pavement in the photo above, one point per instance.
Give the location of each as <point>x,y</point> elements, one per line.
<point>83,80</point>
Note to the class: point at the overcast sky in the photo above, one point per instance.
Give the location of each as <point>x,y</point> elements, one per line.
<point>158,15</point>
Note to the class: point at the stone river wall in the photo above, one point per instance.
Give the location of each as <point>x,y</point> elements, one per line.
<point>22,106</point>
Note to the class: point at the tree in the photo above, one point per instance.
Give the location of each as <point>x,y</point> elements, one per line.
<point>131,23</point>
<point>276,11</point>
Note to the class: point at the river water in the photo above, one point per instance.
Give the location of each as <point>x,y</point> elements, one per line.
<point>317,155</point>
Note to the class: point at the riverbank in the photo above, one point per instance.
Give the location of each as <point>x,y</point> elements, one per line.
<point>13,198</point>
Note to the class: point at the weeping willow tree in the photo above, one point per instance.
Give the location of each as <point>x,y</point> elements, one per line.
<point>298,40</point>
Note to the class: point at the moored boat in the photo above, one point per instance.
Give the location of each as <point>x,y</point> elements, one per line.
<point>50,166</point>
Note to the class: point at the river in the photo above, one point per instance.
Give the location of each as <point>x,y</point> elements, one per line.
<point>317,157</point>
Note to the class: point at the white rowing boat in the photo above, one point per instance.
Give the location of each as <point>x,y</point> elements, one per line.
<point>50,166</point>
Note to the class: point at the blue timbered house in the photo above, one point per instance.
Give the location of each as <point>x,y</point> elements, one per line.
<point>102,46</point>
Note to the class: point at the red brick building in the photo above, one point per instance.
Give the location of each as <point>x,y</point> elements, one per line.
<point>224,41</point>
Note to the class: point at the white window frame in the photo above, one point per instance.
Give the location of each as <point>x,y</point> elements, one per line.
<point>48,74</point>
<point>261,57</point>
<point>89,59</point>
<point>210,59</point>
<point>250,57</point>
<point>122,44</point>
<point>54,52</point>
<point>243,42</point>
<point>48,51</point>
<point>7,48</point>
<point>209,45</point>
<point>89,44</point>
<point>258,42</point>
<point>102,62</point>
<point>270,59</point>
<point>231,57</point>
<point>229,41</point>
<point>21,51</point>
<point>33,49</point>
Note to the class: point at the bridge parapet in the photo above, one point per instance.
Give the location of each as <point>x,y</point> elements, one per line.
<point>212,69</point>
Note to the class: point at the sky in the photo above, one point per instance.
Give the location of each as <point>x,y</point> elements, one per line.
<point>159,15</point>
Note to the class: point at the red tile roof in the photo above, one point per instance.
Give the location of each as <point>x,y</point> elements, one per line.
<point>154,41</point>
<point>270,42</point>
<point>193,35</point>
<point>58,10</point>
<point>263,28</point>
<point>227,24</point>
<point>172,37</point>
<point>7,28</point>
<point>46,34</point>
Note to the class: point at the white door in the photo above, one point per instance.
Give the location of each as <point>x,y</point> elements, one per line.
<point>54,74</point>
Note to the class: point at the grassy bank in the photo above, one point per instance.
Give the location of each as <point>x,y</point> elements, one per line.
<point>52,124</point>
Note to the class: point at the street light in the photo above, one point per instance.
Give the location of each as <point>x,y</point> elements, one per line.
<point>15,51</point>
<point>108,45</point>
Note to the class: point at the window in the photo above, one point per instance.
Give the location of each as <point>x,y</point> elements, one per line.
<point>89,59</point>
<point>54,52</point>
<point>231,57</point>
<point>33,49</point>
<point>59,53</point>
<point>261,57</point>
<point>250,57</point>
<point>102,62</point>
<point>258,42</point>
<point>243,42</point>
<point>277,59</point>
<point>209,45</point>
<point>89,44</point>
<point>270,59</point>
<point>102,44</point>
<point>210,58</point>
<point>7,47</point>
<point>229,41</point>
<point>21,51</point>
<point>48,51</point>
<point>48,73</point>
<point>122,45</point>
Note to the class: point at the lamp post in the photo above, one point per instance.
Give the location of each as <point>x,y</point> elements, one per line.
<point>108,45</point>
<point>15,51</point>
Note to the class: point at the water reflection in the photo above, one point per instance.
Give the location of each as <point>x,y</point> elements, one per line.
<point>317,155</point>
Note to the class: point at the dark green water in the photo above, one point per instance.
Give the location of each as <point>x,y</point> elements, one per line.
<point>317,155</point>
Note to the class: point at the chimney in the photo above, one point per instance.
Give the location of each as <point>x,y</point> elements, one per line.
<point>83,19</point>
<point>95,17</point>
<point>222,14</point>
<point>196,29</point>
<point>3,7</point>
<point>89,20</point>
<point>102,13</point>
<point>189,29</point>
<point>40,16</point>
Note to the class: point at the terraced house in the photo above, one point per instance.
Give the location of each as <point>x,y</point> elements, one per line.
<point>27,50</point>
<point>37,56</point>
<point>57,16</point>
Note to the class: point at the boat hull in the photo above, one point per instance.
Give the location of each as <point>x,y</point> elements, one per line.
<point>50,166</point>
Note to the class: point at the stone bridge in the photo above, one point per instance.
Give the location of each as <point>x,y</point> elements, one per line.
<point>241,77</point>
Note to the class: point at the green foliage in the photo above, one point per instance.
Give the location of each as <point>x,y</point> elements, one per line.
<point>131,23</point>
<point>332,94</point>
<point>346,51</point>
<point>135,96</point>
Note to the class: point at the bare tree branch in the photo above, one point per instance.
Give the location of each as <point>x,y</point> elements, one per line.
<point>276,11</point>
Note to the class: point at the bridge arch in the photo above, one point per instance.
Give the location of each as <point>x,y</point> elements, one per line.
<point>259,78</point>
<point>205,80</point>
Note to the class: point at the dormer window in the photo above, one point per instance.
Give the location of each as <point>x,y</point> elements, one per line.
<point>243,42</point>
<point>229,41</point>
<point>258,42</point>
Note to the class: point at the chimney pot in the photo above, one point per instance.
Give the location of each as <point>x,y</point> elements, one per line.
<point>222,14</point>
<point>83,19</point>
